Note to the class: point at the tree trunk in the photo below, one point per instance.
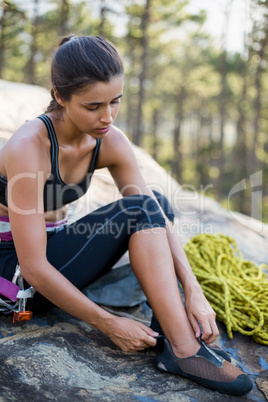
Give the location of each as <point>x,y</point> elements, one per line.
<point>241,146</point>
<point>177,156</point>
<point>64,17</point>
<point>222,101</point>
<point>129,98</point>
<point>30,72</point>
<point>103,11</point>
<point>154,133</point>
<point>257,101</point>
<point>222,115</point>
<point>2,39</point>
<point>137,131</point>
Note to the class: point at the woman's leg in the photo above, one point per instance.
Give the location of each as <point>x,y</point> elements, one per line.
<point>152,264</point>
<point>155,324</point>
<point>138,223</point>
<point>88,248</point>
<point>150,258</point>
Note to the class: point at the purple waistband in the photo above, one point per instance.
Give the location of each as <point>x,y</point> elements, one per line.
<point>4,218</point>
<point>7,235</point>
<point>56,224</point>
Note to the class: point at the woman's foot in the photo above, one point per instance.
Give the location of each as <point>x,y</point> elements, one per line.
<point>160,341</point>
<point>216,349</point>
<point>205,368</point>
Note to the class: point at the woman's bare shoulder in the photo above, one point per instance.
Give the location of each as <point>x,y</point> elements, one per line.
<point>114,146</point>
<point>29,143</point>
<point>32,130</point>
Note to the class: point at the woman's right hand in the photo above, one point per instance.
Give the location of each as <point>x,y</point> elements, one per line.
<point>130,335</point>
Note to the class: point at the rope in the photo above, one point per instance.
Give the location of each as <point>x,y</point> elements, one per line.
<point>236,289</point>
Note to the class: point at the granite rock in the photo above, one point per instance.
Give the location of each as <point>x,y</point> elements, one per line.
<point>57,357</point>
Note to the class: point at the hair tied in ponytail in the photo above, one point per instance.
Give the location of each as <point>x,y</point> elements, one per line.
<point>66,39</point>
<point>98,62</point>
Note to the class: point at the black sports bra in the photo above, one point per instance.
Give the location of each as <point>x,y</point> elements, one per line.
<point>56,192</point>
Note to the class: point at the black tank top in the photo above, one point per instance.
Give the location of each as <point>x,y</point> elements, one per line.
<point>56,192</point>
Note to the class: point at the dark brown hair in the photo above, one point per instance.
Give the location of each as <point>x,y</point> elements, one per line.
<point>80,61</point>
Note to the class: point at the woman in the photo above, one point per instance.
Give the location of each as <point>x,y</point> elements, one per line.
<point>47,164</point>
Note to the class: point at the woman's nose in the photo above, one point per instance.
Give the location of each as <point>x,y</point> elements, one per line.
<point>106,116</point>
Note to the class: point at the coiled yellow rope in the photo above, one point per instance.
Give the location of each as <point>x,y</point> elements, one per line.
<point>236,289</point>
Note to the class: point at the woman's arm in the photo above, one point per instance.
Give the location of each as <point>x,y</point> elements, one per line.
<point>27,166</point>
<point>128,178</point>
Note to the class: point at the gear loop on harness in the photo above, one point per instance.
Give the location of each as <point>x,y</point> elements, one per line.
<point>15,297</point>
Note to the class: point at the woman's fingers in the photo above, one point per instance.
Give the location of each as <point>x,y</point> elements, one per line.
<point>195,325</point>
<point>209,328</point>
<point>204,324</point>
<point>132,336</point>
<point>137,344</point>
<point>211,335</point>
<point>151,335</point>
<point>147,337</point>
<point>201,316</point>
<point>150,341</point>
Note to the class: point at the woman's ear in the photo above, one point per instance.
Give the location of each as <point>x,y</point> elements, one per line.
<point>58,98</point>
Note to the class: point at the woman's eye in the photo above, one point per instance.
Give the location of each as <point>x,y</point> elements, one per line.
<point>92,108</point>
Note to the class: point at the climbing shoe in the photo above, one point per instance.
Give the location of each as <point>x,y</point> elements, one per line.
<point>207,369</point>
<point>160,341</point>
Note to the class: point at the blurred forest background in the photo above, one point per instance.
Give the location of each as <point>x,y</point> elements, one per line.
<point>200,110</point>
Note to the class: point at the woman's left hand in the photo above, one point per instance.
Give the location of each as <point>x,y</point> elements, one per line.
<point>199,311</point>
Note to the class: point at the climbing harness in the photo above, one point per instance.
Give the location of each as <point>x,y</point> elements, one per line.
<point>15,297</point>
<point>236,289</point>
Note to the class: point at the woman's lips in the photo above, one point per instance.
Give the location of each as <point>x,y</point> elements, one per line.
<point>103,130</point>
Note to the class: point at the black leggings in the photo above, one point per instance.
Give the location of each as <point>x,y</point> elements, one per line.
<point>86,249</point>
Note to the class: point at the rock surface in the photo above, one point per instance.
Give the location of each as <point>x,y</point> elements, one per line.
<point>57,357</point>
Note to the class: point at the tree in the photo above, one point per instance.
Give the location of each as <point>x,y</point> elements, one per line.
<point>11,24</point>
<point>145,21</point>
<point>241,150</point>
<point>258,53</point>
<point>64,12</point>
<point>30,67</point>
<point>223,97</point>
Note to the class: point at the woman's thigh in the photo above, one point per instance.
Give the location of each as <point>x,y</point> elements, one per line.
<point>86,249</point>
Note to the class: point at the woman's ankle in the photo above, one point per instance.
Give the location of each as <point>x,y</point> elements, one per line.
<point>185,349</point>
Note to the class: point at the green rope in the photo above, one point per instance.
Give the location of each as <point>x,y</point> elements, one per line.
<point>236,289</point>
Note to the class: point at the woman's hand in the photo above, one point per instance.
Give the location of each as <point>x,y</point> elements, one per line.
<point>130,335</point>
<point>199,311</point>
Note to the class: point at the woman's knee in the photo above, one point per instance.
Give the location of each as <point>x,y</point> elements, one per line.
<point>165,205</point>
<point>150,204</point>
<point>144,212</point>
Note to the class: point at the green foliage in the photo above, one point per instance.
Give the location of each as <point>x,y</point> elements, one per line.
<point>12,21</point>
<point>188,87</point>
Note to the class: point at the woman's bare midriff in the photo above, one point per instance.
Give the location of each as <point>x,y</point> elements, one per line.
<point>50,217</point>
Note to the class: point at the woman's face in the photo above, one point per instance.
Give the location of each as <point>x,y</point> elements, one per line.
<point>94,110</point>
